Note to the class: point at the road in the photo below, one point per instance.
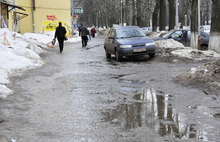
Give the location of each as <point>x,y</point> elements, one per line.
<point>80,96</point>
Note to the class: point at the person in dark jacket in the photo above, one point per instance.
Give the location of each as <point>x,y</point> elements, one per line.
<point>93,31</point>
<point>88,35</point>
<point>59,34</point>
<point>83,34</point>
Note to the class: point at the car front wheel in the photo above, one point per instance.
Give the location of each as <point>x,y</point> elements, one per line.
<point>118,56</point>
<point>107,54</point>
<point>151,55</point>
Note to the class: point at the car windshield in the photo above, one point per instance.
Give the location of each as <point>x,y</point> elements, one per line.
<point>129,32</point>
<point>167,34</point>
<point>207,27</point>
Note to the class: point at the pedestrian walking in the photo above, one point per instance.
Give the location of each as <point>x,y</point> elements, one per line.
<point>93,31</point>
<point>83,33</point>
<point>60,35</point>
<point>88,35</point>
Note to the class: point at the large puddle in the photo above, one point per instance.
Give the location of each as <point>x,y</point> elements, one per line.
<point>151,109</point>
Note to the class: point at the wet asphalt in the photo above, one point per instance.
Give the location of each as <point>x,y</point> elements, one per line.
<point>80,96</point>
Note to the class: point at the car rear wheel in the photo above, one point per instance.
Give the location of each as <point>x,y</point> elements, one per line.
<point>151,55</point>
<point>204,47</point>
<point>118,56</point>
<point>107,54</point>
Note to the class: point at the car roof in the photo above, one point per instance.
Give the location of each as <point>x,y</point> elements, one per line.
<point>124,27</point>
<point>180,30</point>
<point>187,30</point>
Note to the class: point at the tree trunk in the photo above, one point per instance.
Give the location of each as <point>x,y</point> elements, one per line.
<point>172,13</point>
<point>183,13</point>
<point>163,15</point>
<point>194,24</point>
<point>127,11</point>
<point>139,13</point>
<point>134,13</point>
<point>155,16</point>
<point>214,41</point>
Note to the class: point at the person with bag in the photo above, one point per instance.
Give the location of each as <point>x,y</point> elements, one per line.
<point>93,31</point>
<point>88,35</point>
<point>60,35</point>
<point>83,34</point>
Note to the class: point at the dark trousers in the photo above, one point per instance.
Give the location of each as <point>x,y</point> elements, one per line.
<point>93,35</point>
<point>61,41</point>
<point>84,40</point>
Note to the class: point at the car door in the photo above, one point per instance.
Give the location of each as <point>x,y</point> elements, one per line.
<point>107,43</point>
<point>204,38</point>
<point>178,36</point>
<point>112,42</point>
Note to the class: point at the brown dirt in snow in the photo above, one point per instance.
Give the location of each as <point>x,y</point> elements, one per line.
<point>205,77</point>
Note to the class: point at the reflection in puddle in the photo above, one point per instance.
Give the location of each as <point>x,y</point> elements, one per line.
<point>152,109</point>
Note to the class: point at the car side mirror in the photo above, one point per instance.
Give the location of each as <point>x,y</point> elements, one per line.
<point>110,37</point>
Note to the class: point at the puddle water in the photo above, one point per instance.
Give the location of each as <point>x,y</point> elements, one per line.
<point>151,109</point>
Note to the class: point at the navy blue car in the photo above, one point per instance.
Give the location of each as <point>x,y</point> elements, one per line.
<point>128,41</point>
<point>184,36</point>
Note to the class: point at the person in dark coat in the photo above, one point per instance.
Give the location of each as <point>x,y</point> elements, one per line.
<point>93,31</point>
<point>83,34</point>
<point>59,34</point>
<point>88,35</point>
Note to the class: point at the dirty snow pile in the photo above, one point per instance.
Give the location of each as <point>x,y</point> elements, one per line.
<point>21,52</point>
<point>156,34</point>
<point>195,54</point>
<point>103,31</point>
<point>205,77</point>
<point>171,48</point>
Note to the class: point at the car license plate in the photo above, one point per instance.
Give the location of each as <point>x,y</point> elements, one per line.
<point>140,50</point>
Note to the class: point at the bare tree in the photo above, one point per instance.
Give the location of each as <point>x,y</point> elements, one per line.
<point>184,12</point>
<point>194,24</point>
<point>155,15</point>
<point>163,15</point>
<point>172,13</point>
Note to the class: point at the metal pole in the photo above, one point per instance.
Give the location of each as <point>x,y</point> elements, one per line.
<point>199,34</point>
<point>177,14</point>
<point>33,16</point>
<point>72,13</point>
<point>72,9</point>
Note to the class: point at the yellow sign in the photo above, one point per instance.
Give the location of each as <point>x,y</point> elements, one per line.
<point>52,25</point>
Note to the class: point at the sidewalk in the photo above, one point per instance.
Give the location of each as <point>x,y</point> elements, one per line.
<point>21,52</point>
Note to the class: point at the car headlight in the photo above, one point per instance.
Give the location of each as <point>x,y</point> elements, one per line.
<point>149,44</point>
<point>125,46</point>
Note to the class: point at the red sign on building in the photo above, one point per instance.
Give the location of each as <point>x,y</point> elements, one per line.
<point>51,17</point>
